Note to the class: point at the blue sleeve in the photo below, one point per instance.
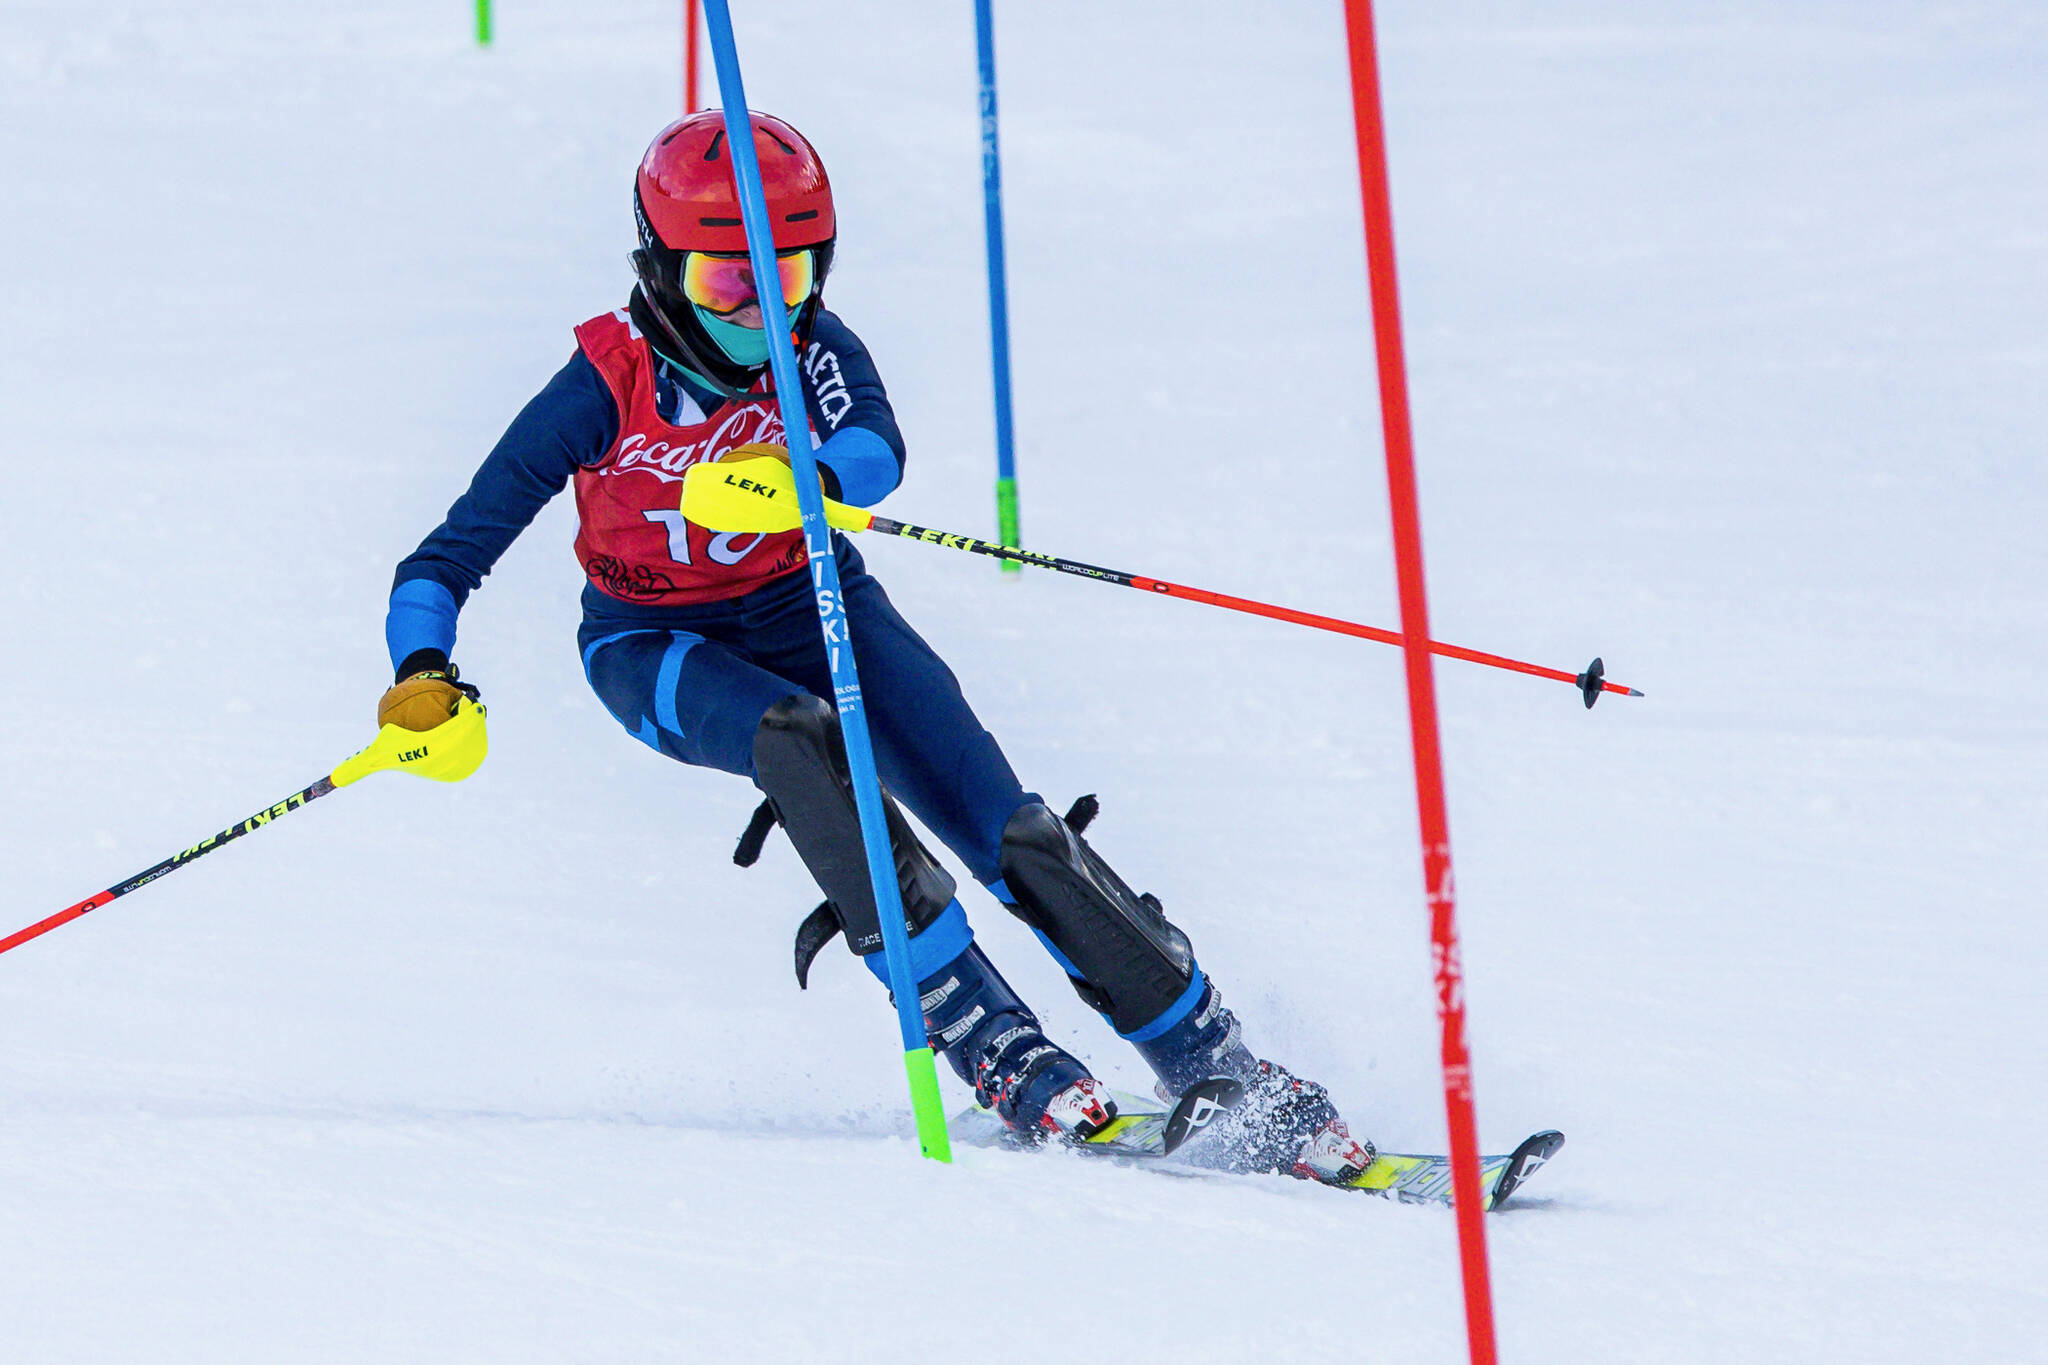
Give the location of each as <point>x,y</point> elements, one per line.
<point>863,447</point>
<point>570,423</point>
<point>421,616</point>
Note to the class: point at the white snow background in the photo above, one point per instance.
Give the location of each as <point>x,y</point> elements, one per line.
<point>1725,330</point>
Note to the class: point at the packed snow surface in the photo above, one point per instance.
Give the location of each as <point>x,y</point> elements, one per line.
<point>1725,331</point>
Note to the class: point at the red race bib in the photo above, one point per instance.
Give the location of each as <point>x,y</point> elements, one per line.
<point>633,543</point>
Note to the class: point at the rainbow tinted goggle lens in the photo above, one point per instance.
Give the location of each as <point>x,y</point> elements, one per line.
<point>725,284</point>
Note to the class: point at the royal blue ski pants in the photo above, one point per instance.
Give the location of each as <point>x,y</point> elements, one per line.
<point>693,683</point>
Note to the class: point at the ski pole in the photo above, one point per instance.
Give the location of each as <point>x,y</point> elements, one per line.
<point>449,752</point>
<point>743,496</point>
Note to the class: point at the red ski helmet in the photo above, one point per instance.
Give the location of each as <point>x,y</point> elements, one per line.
<point>686,205</point>
<point>687,199</point>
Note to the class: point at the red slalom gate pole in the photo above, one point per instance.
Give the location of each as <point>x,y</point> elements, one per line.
<point>690,27</point>
<point>1438,883</point>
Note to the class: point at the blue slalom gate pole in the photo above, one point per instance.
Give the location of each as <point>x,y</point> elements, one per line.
<point>824,569</point>
<point>998,289</point>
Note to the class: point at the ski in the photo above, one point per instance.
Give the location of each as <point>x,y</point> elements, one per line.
<point>1139,1130</point>
<point>1414,1179</point>
<point>1142,1132</point>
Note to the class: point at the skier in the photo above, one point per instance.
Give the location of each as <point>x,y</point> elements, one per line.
<point>706,647</point>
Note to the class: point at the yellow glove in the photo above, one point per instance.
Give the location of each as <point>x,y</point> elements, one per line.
<point>428,723</point>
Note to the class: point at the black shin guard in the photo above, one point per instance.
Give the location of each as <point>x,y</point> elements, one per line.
<point>1133,963</point>
<point>800,764</point>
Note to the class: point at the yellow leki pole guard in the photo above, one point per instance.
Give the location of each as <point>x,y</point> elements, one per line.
<point>449,752</point>
<point>756,495</point>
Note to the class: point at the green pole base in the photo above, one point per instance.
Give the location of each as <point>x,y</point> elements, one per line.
<point>483,23</point>
<point>1006,522</point>
<point>932,1137</point>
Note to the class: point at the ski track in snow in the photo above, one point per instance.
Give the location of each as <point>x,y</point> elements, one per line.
<point>1725,342</point>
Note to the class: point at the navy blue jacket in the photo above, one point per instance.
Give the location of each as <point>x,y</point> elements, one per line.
<point>573,422</point>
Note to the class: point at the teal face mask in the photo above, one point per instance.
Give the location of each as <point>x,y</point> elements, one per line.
<point>746,346</point>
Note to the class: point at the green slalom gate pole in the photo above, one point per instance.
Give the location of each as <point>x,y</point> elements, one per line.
<point>824,570</point>
<point>483,23</point>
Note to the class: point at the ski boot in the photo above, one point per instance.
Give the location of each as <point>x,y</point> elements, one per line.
<point>1137,969</point>
<point>1285,1124</point>
<point>1288,1124</point>
<point>994,1043</point>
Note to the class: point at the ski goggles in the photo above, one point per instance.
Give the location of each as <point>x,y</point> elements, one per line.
<point>724,284</point>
